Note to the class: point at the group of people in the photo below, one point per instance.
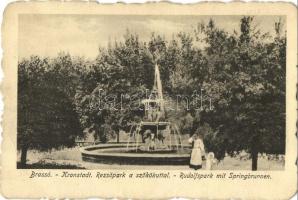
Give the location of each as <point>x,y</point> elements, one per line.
<point>197,153</point>
<point>198,149</point>
<point>153,139</point>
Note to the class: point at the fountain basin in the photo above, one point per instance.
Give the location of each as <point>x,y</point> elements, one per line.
<point>130,155</point>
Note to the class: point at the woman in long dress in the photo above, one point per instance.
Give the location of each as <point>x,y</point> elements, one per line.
<point>197,152</point>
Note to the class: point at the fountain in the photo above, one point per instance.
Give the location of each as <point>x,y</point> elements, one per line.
<point>153,141</point>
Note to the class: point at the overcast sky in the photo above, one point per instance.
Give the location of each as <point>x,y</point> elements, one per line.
<point>82,35</point>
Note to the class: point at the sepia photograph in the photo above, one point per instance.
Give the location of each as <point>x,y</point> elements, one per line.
<point>149,101</point>
<point>151,92</point>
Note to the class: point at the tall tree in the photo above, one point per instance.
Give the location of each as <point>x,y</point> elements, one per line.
<point>116,84</point>
<point>249,112</point>
<point>46,115</point>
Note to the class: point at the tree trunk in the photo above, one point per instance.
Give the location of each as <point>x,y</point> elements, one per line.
<point>24,155</point>
<point>254,157</point>
<point>118,136</point>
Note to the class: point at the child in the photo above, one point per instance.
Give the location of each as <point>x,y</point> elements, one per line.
<point>210,160</point>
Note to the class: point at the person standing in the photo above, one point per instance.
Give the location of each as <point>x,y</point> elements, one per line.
<point>197,152</point>
<point>152,145</point>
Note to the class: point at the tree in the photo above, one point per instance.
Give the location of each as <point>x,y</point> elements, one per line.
<point>249,109</point>
<point>109,93</point>
<point>46,114</point>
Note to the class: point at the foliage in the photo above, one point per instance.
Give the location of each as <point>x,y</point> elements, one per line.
<point>46,114</point>
<point>250,111</point>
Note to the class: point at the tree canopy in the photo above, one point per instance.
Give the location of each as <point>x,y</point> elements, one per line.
<point>47,117</point>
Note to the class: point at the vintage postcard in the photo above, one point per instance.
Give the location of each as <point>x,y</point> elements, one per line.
<point>149,101</point>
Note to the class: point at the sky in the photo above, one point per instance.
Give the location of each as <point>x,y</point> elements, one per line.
<point>82,35</point>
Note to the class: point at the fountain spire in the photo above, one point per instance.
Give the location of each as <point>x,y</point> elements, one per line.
<point>158,87</point>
